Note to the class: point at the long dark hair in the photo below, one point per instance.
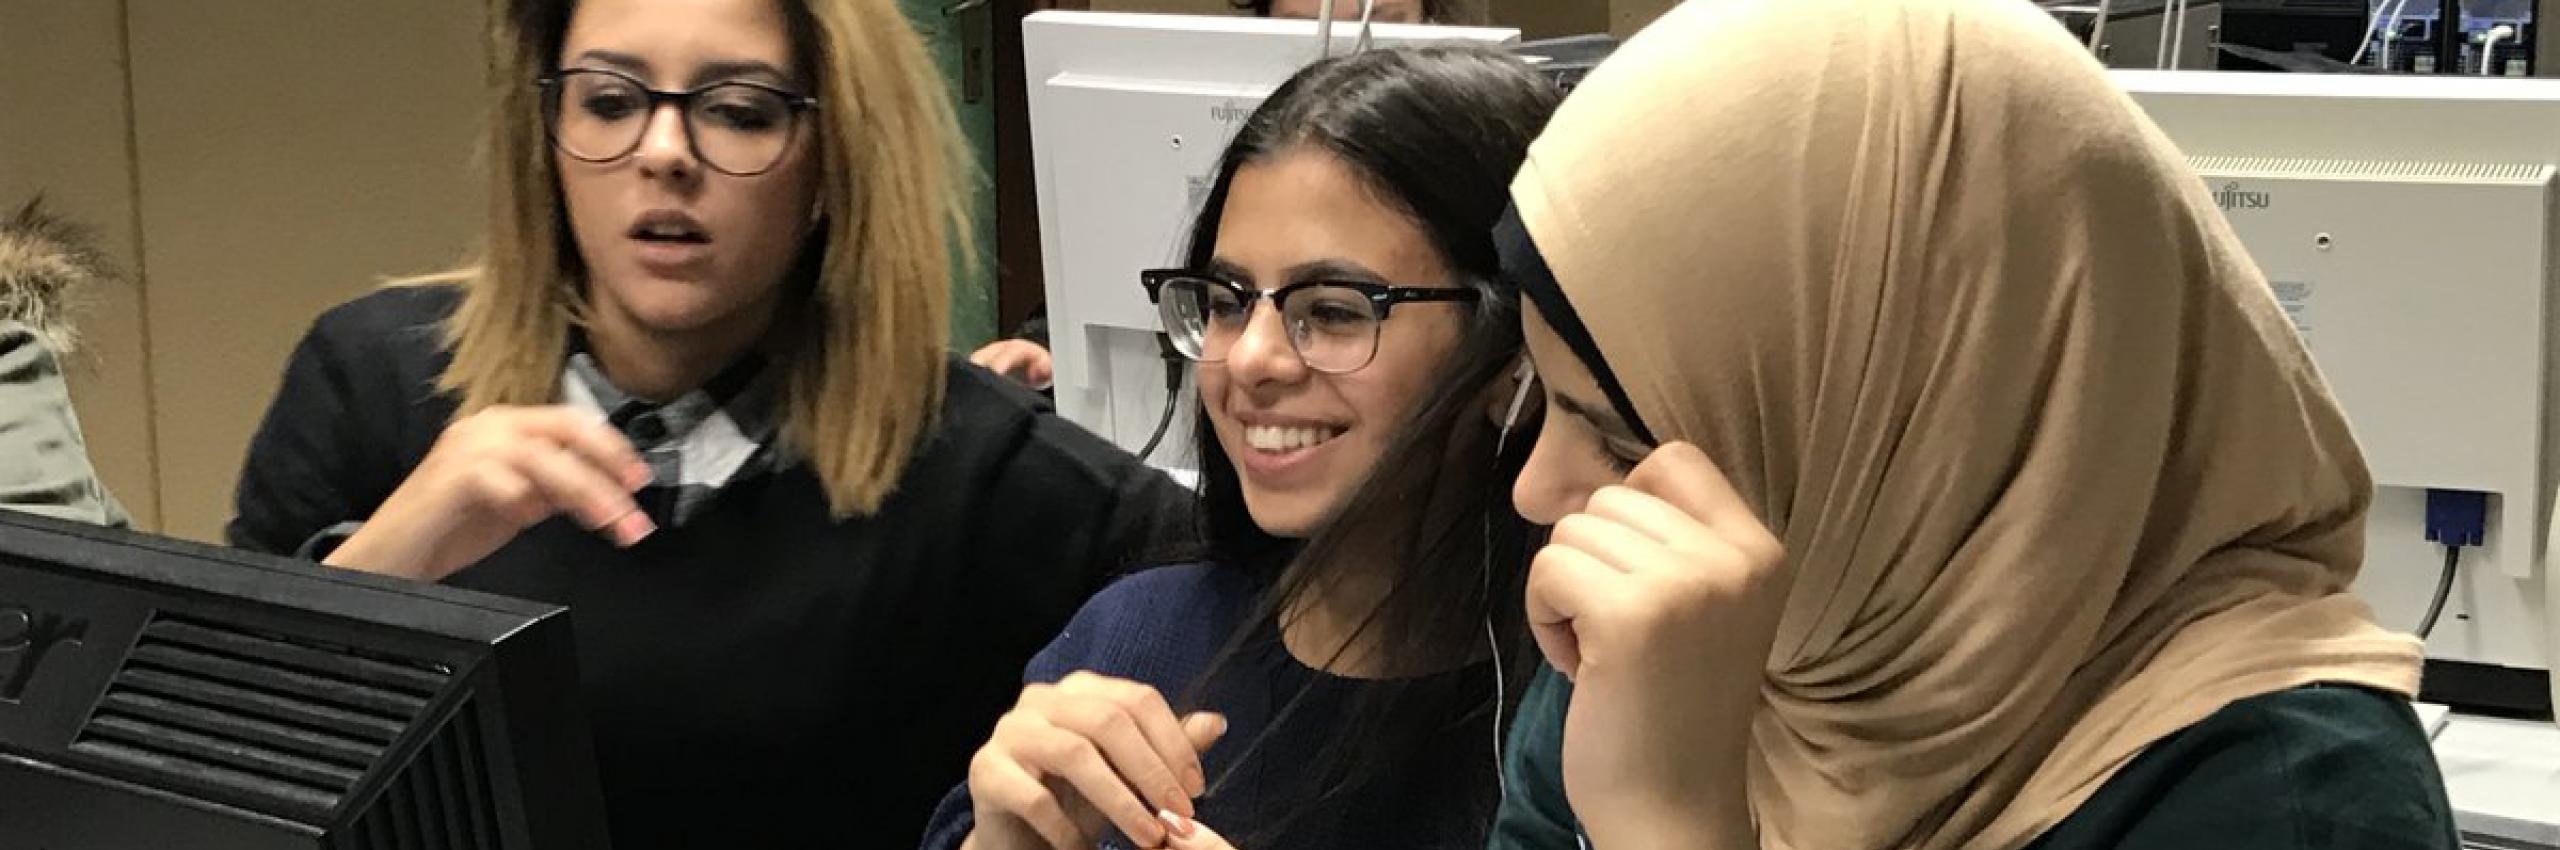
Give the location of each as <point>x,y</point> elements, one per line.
<point>1437,131</point>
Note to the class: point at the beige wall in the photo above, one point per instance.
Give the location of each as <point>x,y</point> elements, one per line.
<point>274,157</point>
<point>63,132</point>
<point>290,155</point>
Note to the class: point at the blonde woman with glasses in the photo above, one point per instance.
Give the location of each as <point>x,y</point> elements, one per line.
<point>696,389</point>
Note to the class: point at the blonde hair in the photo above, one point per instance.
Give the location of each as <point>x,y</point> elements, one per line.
<point>864,357</point>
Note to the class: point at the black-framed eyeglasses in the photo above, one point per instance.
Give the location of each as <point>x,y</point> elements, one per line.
<point>1333,325</point>
<point>738,127</point>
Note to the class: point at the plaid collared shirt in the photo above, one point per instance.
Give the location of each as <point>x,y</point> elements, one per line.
<point>695,445</point>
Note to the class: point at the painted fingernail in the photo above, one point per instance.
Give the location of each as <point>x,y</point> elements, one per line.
<point>608,526</point>
<point>1179,825</point>
<point>632,528</point>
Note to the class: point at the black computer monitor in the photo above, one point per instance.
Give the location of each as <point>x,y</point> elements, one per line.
<point>2330,28</point>
<point>159,693</point>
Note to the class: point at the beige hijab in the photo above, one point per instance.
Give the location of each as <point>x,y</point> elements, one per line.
<point>2057,476</point>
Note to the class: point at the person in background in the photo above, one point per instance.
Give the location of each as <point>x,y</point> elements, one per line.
<point>696,390</point>
<point>1928,467</point>
<point>47,263</point>
<point>1350,636</point>
<point>1025,356</point>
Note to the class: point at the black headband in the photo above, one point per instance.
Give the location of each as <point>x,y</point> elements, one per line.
<point>1526,267</point>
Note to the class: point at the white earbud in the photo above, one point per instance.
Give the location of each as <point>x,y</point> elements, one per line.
<point>1524,377</point>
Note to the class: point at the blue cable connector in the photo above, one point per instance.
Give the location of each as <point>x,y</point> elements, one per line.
<point>2457,517</point>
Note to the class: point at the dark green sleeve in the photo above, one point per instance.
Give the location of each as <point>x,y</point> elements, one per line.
<point>1534,815</point>
<point>2314,767</point>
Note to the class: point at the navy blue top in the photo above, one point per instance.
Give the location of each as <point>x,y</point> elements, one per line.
<point>1164,627</point>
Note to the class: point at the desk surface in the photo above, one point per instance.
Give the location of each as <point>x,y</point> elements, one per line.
<point>2503,777</point>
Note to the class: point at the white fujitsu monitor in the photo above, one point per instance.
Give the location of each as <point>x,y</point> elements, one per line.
<point>1129,114</point>
<point>2406,224</point>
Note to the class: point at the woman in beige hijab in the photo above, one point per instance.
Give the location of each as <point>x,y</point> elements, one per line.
<point>1995,503</point>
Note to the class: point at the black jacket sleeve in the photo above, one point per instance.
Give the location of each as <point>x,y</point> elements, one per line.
<point>1147,520</point>
<point>1065,500</point>
<point>1042,514</point>
<point>354,410</point>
